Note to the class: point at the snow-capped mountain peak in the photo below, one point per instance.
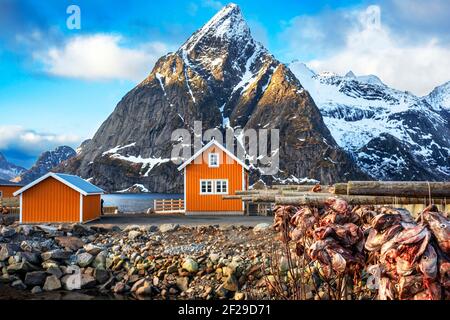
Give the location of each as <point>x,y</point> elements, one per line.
<point>227,24</point>
<point>350,74</point>
<point>370,79</point>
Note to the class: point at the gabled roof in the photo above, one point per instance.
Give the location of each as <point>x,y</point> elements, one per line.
<point>74,182</point>
<point>208,145</point>
<point>5,183</point>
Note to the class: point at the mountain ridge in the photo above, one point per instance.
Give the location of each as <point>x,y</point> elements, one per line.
<point>369,119</point>
<point>8,170</point>
<point>45,163</point>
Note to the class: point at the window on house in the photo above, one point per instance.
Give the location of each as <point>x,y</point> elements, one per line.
<point>213,159</point>
<point>213,187</point>
<point>221,186</point>
<point>206,187</point>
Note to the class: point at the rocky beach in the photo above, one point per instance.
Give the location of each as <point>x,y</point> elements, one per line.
<point>169,261</point>
<point>338,252</point>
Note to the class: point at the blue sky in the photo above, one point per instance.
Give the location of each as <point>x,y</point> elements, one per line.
<point>58,85</point>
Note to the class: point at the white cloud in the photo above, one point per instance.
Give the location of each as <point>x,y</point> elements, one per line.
<point>372,48</point>
<point>31,142</point>
<point>213,4</point>
<point>193,7</point>
<point>101,57</point>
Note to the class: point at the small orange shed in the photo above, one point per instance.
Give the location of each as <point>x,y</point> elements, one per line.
<point>57,197</point>
<point>7,189</point>
<point>210,174</point>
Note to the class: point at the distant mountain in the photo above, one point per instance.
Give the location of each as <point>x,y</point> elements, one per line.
<point>439,98</point>
<point>222,77</point>
<point>8,170</point>
<point>392,134</point>
<point>46,161</point>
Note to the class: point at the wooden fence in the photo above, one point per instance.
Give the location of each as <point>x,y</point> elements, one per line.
<point>168,206</point>
<point>9,202</point>
<point>12,204</point>
<point>111,210</point>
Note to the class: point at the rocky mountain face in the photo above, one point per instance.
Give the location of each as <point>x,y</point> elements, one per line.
<point>393,135</point>
<point>46,161</point>
<point>222,77</point>
<point>8,170</point>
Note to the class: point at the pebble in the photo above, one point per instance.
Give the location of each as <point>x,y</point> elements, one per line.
<point>261,227</point>
<point>134,234</point>
<point>183,283</point>
<point>168,227</point>
<point>190,265</point>
<point>18,284</point>
<point>36,290</point>
<point>84,259</point>
<point>231,283</point>
<point>52,283</point>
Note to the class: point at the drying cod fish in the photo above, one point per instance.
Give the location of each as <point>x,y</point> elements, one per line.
<point>440,226</point>
<point>410,257</point>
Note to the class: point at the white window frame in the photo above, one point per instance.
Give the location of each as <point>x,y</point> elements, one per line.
<point>221,182</point>
<point>213,183</point>
<point>210,156</point>
<point>206,181</point>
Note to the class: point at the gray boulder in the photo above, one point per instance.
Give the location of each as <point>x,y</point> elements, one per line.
<point>52,283</point>
<point>168,227</point>
<point>57,254</point>
<point>35,278</point>
<point>84,259</point>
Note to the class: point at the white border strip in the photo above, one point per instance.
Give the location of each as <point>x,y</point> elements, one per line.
<point>243,187</point>
<point>20,209</point>
<point>185,179</point>
<point>81,208</point>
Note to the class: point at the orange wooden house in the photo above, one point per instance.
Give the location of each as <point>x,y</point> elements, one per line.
<point>210,174</point>
<point>7,189</point>
<point>57,197</point>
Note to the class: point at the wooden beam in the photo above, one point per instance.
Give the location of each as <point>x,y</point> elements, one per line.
<point>398,188</point>
<point>339,188</point>
<point>319,200</point>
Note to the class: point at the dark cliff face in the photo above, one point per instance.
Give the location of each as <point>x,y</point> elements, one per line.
<point>221,77</point>
<point>46,162</point>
